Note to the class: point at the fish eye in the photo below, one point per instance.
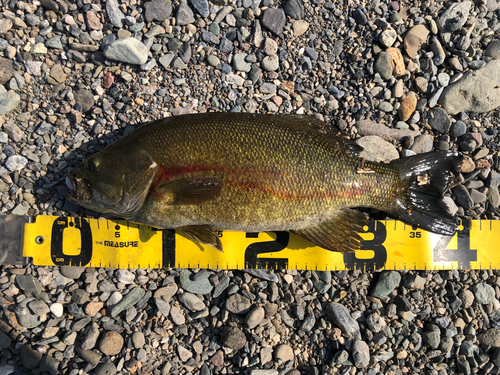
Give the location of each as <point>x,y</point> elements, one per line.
<point>92,164</point>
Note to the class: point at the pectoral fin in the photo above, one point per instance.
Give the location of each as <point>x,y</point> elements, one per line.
<point>191,190</point>
<point>203,234</point>
<point>340,233</point>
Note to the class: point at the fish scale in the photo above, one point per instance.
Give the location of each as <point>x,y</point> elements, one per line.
<point>249,172</point>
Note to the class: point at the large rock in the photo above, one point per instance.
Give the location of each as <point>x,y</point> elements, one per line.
<point>127,50</point>
<point>476,91</point>
<point>376,149</point>
<point>453,19</point>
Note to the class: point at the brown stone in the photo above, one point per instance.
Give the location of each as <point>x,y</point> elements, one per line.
<point>111,343</point>
<point>467,165</point>
<point>7,70</point>
<point>414,39</point>
<point>408,106</point>
<point>93,21</point>
<point>217,359</point>
<point>397,59</point>
<point>93,308</point>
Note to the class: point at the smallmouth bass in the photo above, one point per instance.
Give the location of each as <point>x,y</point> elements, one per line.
<point>256,173</point>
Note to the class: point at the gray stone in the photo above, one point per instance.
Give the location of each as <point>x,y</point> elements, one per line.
<point>294,9</point>
<point>283,353</point>
<point>191,301</point>
<point>254,317</point>
<point>341,318</point>
<point>490,338</point>
<point>463,197</point>
<point>360,354</point>
<point>5,340</point>
<point>163,306</point>
<point>274,20</point>
<point>21,209</point>
<point>493,49</point>
<point>475,91</point>
<point>197,283</point>
<point>233,338</point>
<point>213,60</point>
<point>54,42</point>
<point>114,13</point>
<point>201,6</point>
<point>439,120</point>
<point>268,88</point>
<point>129,300</point>
<point>8,102</point>
<point>25,316</point>
<point>179,64</point>
<point>108,368</point>
<point>138,339</point>
<point>127,50</point>
<point>15,163</point>
<point>369,127</point>
<point>453,19</point>
<point>124,276</point>
<point>177,315</point>
<point>270,63</point>
<point>165,60</point>
<point>184,354</point>
<point>50,365</point>
<point>422,144</point>
<point>263,274</point>
<point>13,131</point>
<point>184,15</point>
<point>240,64</point>
<point>158,10</point>
<point>90,336</point>
<point>71,272</point>
<point>30,358</point>
<point>387,282</point>
<point>384,65</point>
<point>29,285</point>
<point>166,292</point>
<point>484,293</point>
<point>85,98</point>
<point>377,150</point>
<point>238,304</point>
<point>458,129</point>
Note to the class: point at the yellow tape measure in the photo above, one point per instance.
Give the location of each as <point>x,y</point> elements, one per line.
<point>65,241</point>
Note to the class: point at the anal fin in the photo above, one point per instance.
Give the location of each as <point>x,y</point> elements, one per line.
<point>339,233</point>
<point>202,234</point>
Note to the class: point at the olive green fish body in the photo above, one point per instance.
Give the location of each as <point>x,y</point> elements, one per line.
<point>278,173</point>
<point>246,172</point>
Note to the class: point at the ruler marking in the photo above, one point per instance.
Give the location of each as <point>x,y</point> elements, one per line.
<point>168,247</point>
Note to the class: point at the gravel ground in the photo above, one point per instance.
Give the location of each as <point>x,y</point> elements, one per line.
<point>403,77</point>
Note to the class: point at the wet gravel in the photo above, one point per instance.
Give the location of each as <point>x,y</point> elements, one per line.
<point>402,77</point>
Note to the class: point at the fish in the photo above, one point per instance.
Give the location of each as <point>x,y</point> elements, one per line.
<point>200,173</point>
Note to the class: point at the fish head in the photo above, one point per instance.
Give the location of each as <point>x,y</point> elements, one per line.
<point>113,181</point>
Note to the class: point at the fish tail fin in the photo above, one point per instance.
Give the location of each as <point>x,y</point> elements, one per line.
<point>425,178</point>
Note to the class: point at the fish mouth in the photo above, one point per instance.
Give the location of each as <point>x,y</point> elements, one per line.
<point>80,189</point>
